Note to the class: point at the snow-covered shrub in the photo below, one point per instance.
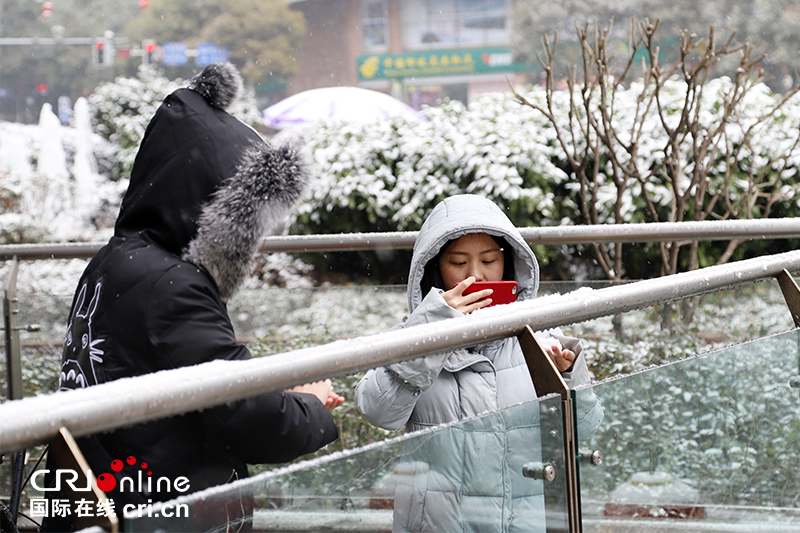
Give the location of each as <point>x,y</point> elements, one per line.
<point>280,270</point>
<point>388,175</point>
<point>121,111</point>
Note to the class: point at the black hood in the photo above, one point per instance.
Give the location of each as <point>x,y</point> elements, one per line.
<point>205,186</point>
<point>189,148</point>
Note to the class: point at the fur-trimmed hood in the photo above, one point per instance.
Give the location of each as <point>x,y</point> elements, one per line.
<point>204,185</point>
<point>266,185</point>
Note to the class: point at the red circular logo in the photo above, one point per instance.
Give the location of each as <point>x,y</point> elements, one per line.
<point>106,482</point>
<point>131,460</point>
<point>116,465</point>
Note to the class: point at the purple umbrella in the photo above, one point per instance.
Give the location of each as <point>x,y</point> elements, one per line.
<point>346,104</point>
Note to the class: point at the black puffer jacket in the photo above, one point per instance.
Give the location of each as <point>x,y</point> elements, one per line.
<point>204,190</point>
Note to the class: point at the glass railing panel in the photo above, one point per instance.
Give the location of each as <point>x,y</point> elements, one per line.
<point>484,474</point>
<point>705,444</point>
<point>273,320</point>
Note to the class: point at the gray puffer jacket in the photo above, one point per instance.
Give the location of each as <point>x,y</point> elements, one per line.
<point>457,481</point>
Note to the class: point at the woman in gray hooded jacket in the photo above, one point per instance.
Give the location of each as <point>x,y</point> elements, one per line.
<point>456,481</point>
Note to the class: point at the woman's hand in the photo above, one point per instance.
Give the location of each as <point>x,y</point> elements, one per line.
<point>333,401</point>
<point>322,390</point>
<point>563,359</point>
<point>467,303</point>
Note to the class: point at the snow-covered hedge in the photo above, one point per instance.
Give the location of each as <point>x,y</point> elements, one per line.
<point>395,171</point>
<point>388,176</point>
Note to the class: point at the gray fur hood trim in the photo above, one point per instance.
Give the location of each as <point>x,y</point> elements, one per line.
<point>265,187</point>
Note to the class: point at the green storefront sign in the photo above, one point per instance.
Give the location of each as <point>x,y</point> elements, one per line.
<point>437,63</point>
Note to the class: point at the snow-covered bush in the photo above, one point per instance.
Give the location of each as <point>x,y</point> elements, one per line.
<point>121,111</point>
<point>387,176</point>
<point>390,174</point>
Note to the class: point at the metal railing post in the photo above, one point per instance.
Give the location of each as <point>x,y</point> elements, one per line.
<point>547,380</point>
<point>10,312</point>
<point>13,376</point>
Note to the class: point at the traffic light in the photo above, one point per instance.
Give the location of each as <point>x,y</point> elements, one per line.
<point>103,52</point>
<point>148,48</point>
<point>47,10</point>
<point>99,53</point>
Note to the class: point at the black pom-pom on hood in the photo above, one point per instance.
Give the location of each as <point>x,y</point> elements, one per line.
<point>219,83</point>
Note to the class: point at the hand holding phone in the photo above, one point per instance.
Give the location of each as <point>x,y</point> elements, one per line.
<point>468,295</point>
<point>504,292</point>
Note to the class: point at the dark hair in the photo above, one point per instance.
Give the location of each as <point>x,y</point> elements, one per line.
<point>432,276</point>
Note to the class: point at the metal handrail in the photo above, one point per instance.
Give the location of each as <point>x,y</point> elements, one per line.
<point>129,401</point>
<point>777,228</point>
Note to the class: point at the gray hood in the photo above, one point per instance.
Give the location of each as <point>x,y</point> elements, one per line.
<point>457,216</point>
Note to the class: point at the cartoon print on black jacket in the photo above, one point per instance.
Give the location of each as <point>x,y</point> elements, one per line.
<point>204,190</point>
<point>80,337</point>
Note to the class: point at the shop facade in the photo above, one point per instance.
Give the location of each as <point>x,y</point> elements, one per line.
<point>419,51</point>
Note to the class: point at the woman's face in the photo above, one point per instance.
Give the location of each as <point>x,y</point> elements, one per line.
<point>474,254</point>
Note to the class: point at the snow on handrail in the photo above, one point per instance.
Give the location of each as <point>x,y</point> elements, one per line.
<point>770,228</point>
<point>124,402</point>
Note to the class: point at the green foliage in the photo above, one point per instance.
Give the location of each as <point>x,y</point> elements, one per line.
<point>263,37</point>
<point>724,422</point>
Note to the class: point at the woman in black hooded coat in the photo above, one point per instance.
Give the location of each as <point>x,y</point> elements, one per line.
<point>204,190</point>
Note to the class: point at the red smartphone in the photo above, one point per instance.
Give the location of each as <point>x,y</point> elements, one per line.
<point>505,292</point>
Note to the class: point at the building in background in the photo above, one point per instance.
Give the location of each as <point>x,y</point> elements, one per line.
<point>416,50</point>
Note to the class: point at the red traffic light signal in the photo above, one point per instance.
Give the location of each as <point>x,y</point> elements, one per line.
<point>103,52</point>
<point>47,9</point>
<point>98,53</point>
<point>149,48</point>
